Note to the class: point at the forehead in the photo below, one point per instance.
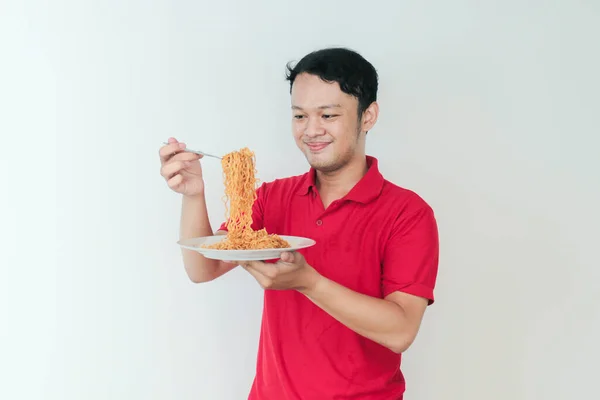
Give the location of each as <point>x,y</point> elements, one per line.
<point>310,91</point>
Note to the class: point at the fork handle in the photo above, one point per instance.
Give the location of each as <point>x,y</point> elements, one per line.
<point>198,152</point>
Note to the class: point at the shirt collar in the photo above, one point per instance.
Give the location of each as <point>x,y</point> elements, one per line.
<point>365,191</point>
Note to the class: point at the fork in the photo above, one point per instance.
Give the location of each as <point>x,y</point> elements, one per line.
<point>198,152</point>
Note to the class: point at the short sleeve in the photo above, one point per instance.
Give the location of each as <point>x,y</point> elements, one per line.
<point>257,209</point>
<point>411,255</point>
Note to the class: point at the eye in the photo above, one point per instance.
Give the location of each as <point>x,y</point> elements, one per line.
<point>298,116</point>
<point>328,116</point>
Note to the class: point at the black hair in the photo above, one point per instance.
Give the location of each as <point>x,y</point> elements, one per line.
<point>355,75</point>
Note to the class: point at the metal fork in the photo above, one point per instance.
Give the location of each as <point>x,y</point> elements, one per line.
<point>199,152</point>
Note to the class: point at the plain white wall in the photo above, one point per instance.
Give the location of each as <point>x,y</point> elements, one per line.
<point>489,111</point>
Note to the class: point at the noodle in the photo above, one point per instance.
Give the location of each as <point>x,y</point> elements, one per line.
<point>240,189</point>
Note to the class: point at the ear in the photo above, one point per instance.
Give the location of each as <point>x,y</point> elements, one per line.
<point>369,117</point>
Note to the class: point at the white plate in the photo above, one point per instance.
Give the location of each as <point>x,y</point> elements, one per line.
<point>242,255</point>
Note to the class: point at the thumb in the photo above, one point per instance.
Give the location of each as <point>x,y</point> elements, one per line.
<point>291,257</point>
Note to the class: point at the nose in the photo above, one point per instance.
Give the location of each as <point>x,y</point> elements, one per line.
<point>313,128</point>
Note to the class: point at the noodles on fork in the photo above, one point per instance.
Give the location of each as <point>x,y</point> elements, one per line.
<point>240,190</point>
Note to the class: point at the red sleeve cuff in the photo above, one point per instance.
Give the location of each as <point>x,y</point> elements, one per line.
<point>415,289</point>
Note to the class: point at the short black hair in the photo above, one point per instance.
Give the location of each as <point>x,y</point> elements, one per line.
<point>355,75</point>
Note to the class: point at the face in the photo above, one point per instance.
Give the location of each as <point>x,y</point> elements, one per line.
<point>325,123</point>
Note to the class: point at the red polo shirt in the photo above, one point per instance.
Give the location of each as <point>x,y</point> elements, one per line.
<point>378,239</point>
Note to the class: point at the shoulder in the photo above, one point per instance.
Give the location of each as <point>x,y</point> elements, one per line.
<point>408,212</point>
<point>402,201</point>
<point>411,230</point>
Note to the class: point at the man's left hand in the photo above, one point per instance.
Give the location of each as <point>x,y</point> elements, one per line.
<point>290,272</point>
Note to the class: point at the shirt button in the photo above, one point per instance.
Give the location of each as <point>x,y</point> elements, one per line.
<point>319,222</point>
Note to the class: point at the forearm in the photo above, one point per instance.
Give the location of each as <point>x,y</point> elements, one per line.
<point>194,218</point>
<point>380,320</point>
<point>195,223</point>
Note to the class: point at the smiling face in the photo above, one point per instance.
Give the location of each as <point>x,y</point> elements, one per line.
<point>326,125</point>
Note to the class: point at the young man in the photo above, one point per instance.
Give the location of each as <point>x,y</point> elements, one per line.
<point>337,316</point>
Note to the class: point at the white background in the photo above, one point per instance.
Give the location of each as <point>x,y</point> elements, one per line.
<point>489,110</point>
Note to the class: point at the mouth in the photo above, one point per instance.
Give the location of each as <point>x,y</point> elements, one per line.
<point>314,147</point>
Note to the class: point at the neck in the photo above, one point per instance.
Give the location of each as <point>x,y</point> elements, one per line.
<point>337,184</point>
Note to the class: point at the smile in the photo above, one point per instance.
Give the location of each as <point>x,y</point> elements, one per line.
<point>317,146</point>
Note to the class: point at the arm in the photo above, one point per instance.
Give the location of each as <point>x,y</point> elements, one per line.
<point>409,273</point>
<point>392,322</point>
<point>195,223</point>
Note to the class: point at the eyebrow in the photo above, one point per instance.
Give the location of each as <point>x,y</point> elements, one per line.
<point>320,107</point>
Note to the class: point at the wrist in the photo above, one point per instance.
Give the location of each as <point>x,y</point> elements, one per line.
<point>194,198</point>
<point>312,282</point>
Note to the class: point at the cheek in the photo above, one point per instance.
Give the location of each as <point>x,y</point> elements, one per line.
<point>297,131</point>
<point>341,133</point>
<point>298,140</point>
<point>297,134</point>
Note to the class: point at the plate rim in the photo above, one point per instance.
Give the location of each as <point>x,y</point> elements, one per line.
<point>312,242</point>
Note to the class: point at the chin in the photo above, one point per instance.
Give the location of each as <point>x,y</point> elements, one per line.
<point>323,165</point>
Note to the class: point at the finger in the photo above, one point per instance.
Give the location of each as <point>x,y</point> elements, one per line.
<point>175,181</point>
<point>262,280</point>
<point>185,156</point>
<point>168,150</point>
<point>174,167</point>
<point>287,257</point>
<point>291,257</point>
<point>268,270</point>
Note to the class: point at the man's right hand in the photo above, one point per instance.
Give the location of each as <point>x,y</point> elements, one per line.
<point>181,169</point>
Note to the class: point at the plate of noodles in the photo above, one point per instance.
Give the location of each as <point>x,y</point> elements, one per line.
<point>242,243</point>
<point>221,248</point>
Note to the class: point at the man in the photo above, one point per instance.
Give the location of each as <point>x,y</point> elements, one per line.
<point>337,316</point>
